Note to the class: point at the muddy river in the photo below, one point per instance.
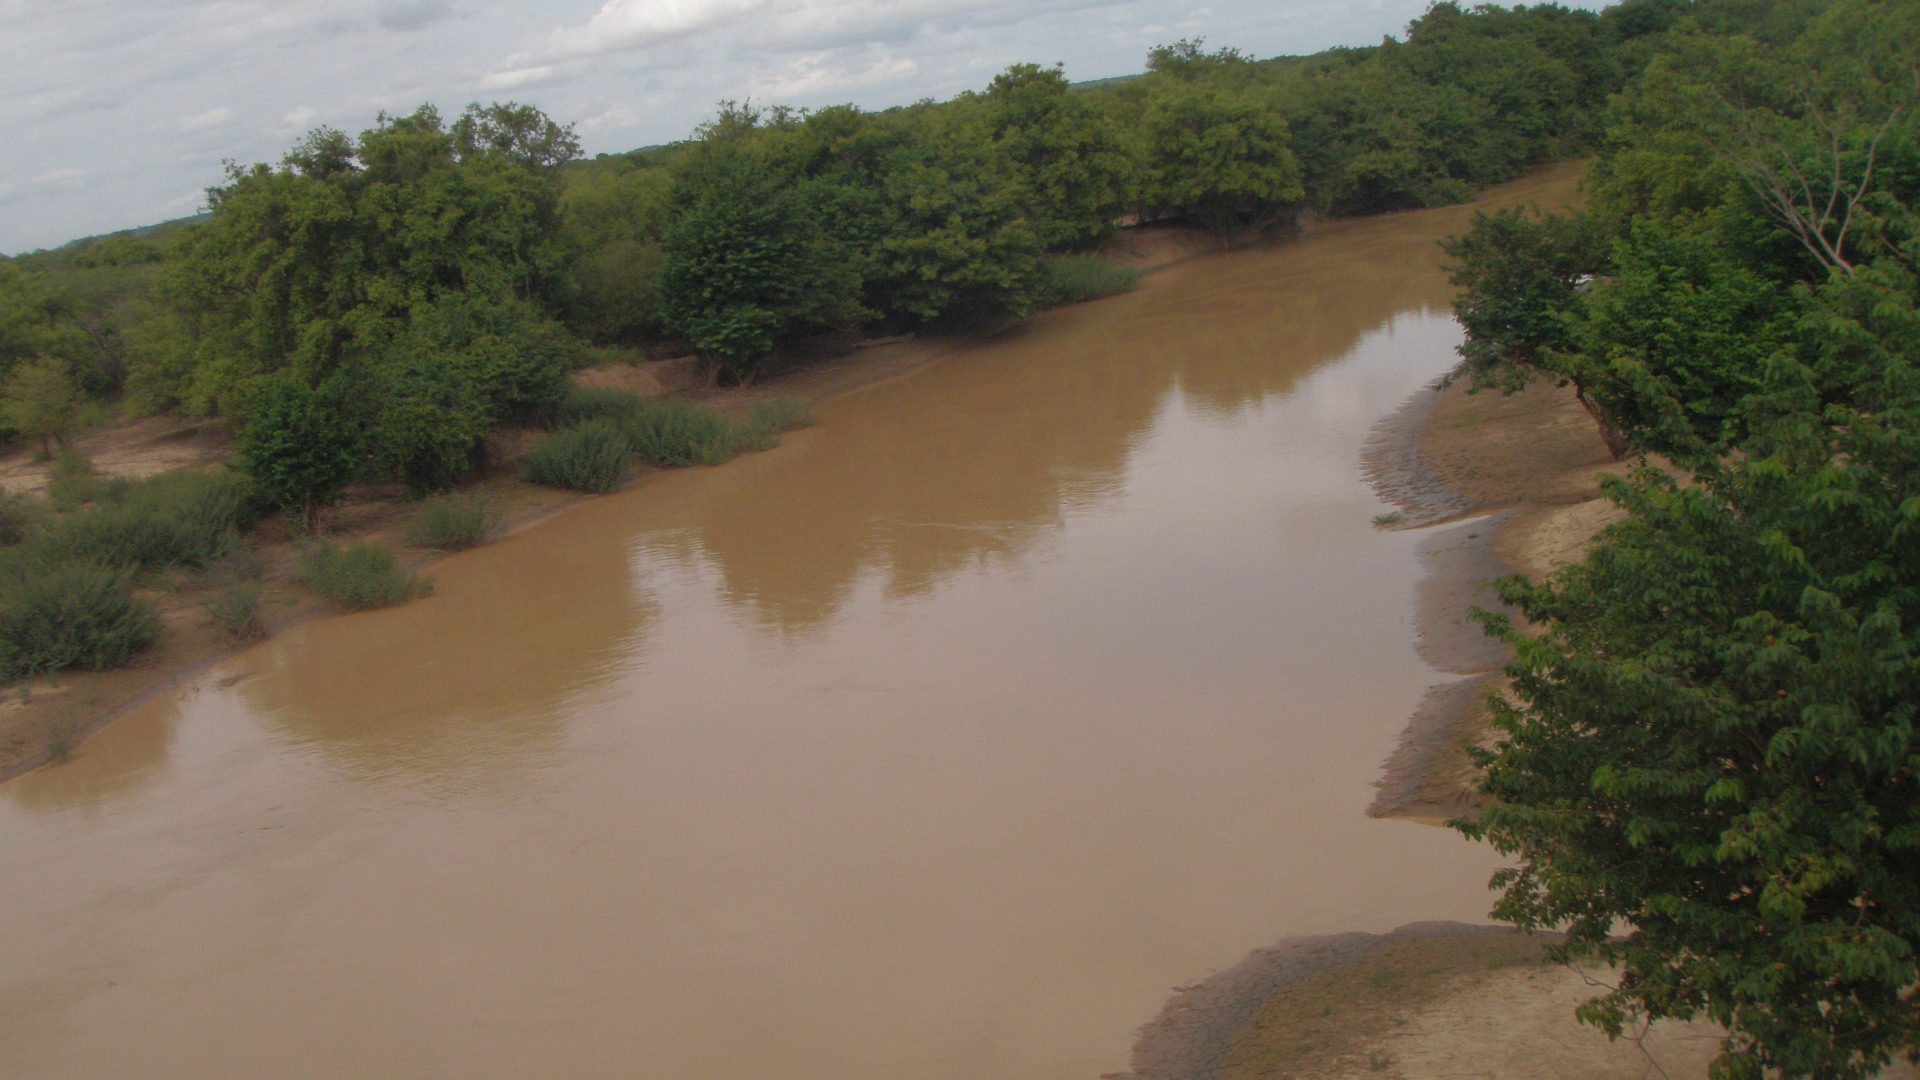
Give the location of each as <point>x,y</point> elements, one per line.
<point>941,742</point>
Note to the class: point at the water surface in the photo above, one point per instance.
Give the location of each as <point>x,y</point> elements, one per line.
<point>940,742</point>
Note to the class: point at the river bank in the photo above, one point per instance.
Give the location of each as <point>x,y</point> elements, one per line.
<point>1500,484</point>
<point>43,719</point>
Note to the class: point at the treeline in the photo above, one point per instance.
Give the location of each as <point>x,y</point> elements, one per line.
<point>450,274</point>
<point>1712,741</point>
<point>371,307</point>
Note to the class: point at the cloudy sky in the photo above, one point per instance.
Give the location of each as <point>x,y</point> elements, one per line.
<point>117,113</point>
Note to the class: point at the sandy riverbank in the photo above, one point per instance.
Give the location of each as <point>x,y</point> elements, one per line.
<point>1505,483</point>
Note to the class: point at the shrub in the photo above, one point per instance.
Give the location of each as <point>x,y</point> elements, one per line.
<point>591,457</point>
<point>300,445</point>
<point>235,613</point>
<point>19,515</point>
<point>360,577</point>
<point>1070,279</point>
<point>764,425</point>
<point>39,401</point>
<point>182,518</point>
<point>71,482</point>
<point>451,522</point>
<point>64,615</point>
<point>670,434</point>
<point>584,403</point>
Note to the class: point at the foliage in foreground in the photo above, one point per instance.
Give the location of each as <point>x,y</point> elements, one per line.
<point>360,576</point>
<point>590,457</point>
<point>234,613</point>
<point>1711,742</point>
<point>55,616</point>
<point>452,522</point>
<point>1072,279</point>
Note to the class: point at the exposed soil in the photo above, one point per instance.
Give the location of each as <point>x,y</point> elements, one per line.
<point>1520,474</point>
<point>1426,1001</point>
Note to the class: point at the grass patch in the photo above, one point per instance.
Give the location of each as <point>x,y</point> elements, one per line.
<point>452,522</point>
<point>591,457</point>
<point>72,483</point>
<point>19,516</point>
<point>584,403</point>
<point>674,434</point>
<point>360,577</point>
<point>1388,520</point>
<point>182,518</point>
<point>1071,279</point>
<point>234,613</point>
<point>764,426</point>
<point>1387,979</point>
<point>55,616</point>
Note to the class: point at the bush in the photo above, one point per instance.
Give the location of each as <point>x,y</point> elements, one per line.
<point>179,518</point>
<point>360,577</point>
<point>1070,279</point>
<point>301,445</point>
<point>767,421</point>
<point>19,516</point>
<point>235,613</point>
<point>71,483</point>
<point>671,434</point>
<point>64,615</point>
<point>591,457</point>
<point>584,403</point>
<point>451,522</point>
<point>182,518</point>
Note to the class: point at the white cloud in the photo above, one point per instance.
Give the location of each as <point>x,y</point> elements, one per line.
<point>299,118</point>
<point>215,117</point>
<point>631,24</point>
<point>515,78</point>
<point>817,74</point>
<point>62,177</point>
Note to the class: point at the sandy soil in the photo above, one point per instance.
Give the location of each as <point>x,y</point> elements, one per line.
<point>1520,474</point>
<point>1428,1001</point>
<point>1509,483</point>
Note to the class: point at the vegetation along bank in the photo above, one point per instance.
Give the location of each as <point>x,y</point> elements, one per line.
<point>1708,735</point>
<point>399,311</point>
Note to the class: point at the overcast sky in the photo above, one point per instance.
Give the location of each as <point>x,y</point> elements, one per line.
<point>117,113</point>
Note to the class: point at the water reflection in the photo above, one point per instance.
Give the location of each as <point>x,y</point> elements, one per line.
<point>972,462</point>
<point>127,754</point>
<point>469,687</point>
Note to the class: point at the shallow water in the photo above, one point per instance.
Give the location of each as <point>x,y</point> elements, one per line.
<point>942,741</point>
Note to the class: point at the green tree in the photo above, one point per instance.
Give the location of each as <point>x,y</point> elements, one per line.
<point>1676,341</point>
<point>1217,155</point>
<point>1520,276</point>
<point>39,401</point>
<point>1067,153</point>
<point>307,266</point>
<point>748,267</point>
<point>300,444</point>
<point>430,418</point>
<point>1712,745</point>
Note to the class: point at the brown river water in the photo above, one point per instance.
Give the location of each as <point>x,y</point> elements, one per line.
<point>943,741</point>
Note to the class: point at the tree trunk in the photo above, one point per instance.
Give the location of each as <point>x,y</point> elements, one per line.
<point>1609,431</point>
